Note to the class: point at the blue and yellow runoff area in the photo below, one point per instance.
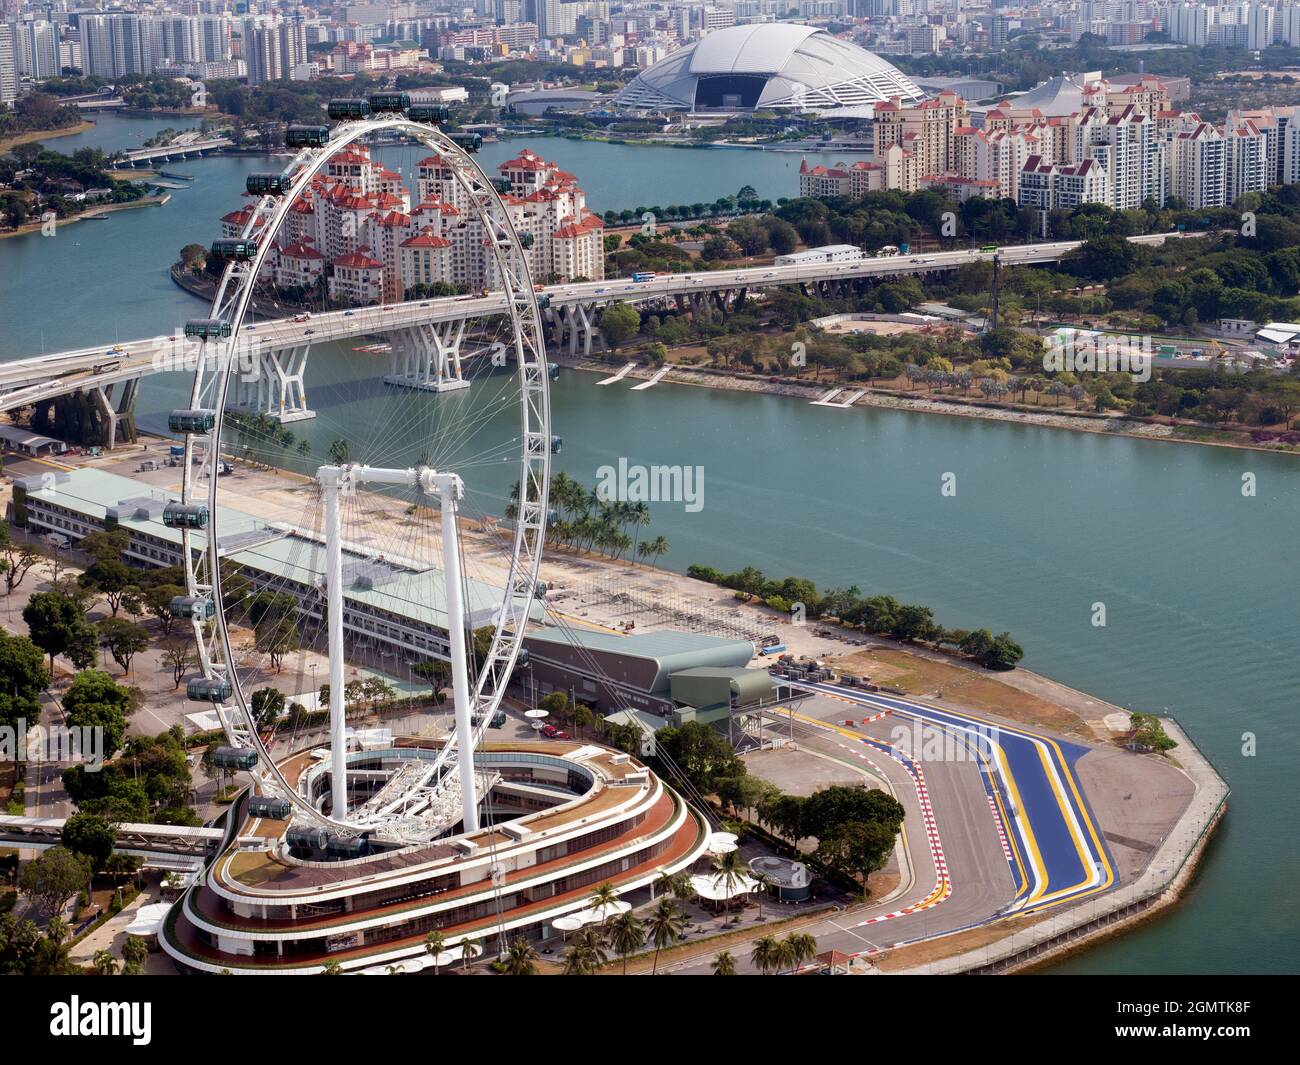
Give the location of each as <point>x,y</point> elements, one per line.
<point>1058,854</point>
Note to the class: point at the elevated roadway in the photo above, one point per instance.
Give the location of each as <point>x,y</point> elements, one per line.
<point>276,349</point>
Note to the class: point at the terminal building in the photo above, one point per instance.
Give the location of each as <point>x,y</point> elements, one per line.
<point>561,818</point>
<point>396,608</point>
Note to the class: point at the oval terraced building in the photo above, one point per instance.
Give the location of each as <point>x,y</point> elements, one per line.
<point>559,819</point>
<point>769,66</point>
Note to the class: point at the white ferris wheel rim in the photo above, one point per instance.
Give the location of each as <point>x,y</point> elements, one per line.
<point>214,649</point>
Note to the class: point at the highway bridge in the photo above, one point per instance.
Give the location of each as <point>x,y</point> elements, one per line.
<point>427,335</point>
<point>173,151</point>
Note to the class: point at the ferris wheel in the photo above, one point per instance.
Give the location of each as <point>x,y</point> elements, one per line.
<point>366,562</point>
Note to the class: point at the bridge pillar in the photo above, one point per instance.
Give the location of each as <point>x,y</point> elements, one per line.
<point>586,324</point>
<point>273,385</point>
<point>427,357</point>
<point>118,416</point>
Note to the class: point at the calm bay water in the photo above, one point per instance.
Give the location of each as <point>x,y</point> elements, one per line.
<point>1199,582</point>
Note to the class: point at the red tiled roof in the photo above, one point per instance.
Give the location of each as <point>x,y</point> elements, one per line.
<point>358,261</point>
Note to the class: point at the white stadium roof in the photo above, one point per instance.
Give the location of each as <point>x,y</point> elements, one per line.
<point>773,65</point>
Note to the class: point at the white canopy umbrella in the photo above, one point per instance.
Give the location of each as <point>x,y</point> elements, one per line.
<point>723,837</point>
<point>538,713</point>
<point>715,888</point>
<point>570,922</point>
<point>601,914</point>
<point>722,846</point>
<point>148,919</point>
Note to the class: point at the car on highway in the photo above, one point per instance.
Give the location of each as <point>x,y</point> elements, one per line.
<point>348,314</point>
<point>308,332</point>
<point>304,317</point>
<point>553,733</point>
<point>424,305</point>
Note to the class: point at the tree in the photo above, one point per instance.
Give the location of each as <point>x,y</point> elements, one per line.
<point>105,544</point>
<point>53,878</point>
<point>105,963</point>
<point>89,835</point>
<point>626,935</point>
<point>111,578</point>
<point>339,453</point>
<point>178,655</point>
<point>587,954</point>
<point>124,640</point>
<point>856,849</point>
<point>95,700</point>
<point>157,600</point>
<point>23,677</point>
<point>667,924</point>
<point>766,955</point>
<point>724,964</point>
<point>620,323</point>
<point>275,626</point>
<point>15,559</point>
<point>1003,654</point>
<point>701,752</point>
<point>135,951</point>
<point>434,944</point>
<point>267,705</point>
<point>798,948</point>
<point>520,958</point>
<point>58,625</point>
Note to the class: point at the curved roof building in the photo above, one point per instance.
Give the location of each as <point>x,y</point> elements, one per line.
<point>774,65</point>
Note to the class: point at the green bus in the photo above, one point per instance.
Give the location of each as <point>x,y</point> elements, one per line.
<point>989,249</point>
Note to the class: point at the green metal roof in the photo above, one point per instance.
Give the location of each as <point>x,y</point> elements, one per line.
<point>667,651</point>
<point>418,594</point>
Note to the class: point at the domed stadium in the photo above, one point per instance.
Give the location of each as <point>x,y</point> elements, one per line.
<point>768,66</point>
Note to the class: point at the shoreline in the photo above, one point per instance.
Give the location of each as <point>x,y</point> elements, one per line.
<point>33,136</point>
<point>28,228</point>
<point>1047,419</point>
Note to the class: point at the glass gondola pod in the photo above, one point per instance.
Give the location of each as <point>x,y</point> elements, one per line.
<point>306,136</point>
<point>207,328</point>
<point>267,184</point>
<point>347,110</point>
<point>430,114</point>
<point>191,421</point>
<point>190,606</point>
<point>233,250</point>
<point>382,102</point>
<point>185,516</point>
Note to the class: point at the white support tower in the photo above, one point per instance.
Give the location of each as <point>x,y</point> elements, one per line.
<point>427,357</point>
<point>335,480</point>
<point>271,382</point>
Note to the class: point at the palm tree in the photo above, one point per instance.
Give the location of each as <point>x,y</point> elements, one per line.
<point>798,948</point>
<point>724,964</point>
<point>520,958</point>
<point>434,944</point>
<point>626,935</point>
<point>135,950</point>
<point>676,884</point>
<point>730,869</point>
<point>332,968</point>
<point>764,882</point>
<point>587,954</point>
<point>667,925</point>
<point>105,963</point>
<point>652,549</point>
<point>639,517</point>
<point>604,897</point>
<point>468,952</point>
<point>578,961</point>
<point>767,955</point>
